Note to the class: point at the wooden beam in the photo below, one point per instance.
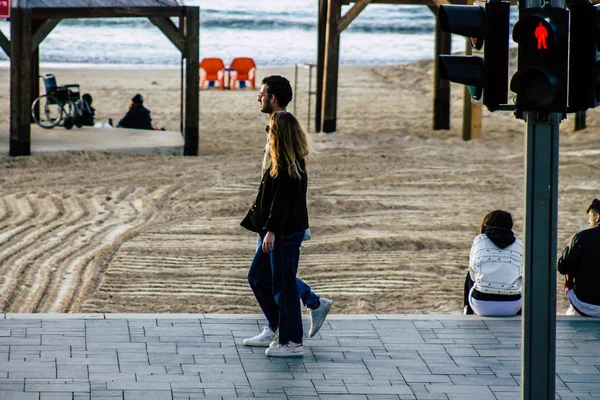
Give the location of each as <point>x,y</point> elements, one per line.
<point>106,12</point>
<point>439,3</point>
<point>332,60</point>
<point>5,44</point>
<point>42,32</point>
<point>20,82</point>
<point>351,14</point>
<point>441,87</point>
<point>321,31</point>
<point>580,121</point>
<point>404,2</point>
<point>35,70</point>
<point>170,30</point>
<point>471,128</point>
<point>191,132</point>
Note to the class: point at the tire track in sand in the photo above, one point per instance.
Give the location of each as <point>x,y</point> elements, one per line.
<point>51,262</point>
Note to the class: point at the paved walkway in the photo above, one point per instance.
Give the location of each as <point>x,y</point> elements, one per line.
<point>353,357</point>
<point>59,139</point>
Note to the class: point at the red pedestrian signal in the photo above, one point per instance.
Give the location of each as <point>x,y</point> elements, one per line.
<point>542,72</point>
<point>541,33</point>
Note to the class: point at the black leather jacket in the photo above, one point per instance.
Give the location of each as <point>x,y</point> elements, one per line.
<point>136,118</point>
<point>581,260</point>
<point>280,205</point>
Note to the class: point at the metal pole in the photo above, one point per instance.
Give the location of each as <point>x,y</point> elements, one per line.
<point>538,363</point>
<point>295,86</point>
<point>309,94</point>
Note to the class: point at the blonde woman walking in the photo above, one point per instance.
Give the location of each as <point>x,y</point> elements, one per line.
<point>280,217</point>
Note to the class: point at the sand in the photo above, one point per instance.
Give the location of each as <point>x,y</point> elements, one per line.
<point>393,204</point>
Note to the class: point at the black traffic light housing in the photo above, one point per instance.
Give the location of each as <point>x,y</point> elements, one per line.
<point>584,85</point>
<point>542,73</point>
<point>487,27</point>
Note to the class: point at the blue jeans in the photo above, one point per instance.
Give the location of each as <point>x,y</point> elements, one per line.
<point>308,297</point>
<point>272,277</point>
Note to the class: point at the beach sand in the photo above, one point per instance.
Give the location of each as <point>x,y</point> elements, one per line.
<point>394,205</point>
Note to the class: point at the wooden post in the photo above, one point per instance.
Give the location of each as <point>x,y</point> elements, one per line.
<point>332,59</point>
<point>471,118</point>
<point>192,77</point>
<point>35,70</point>
<point>580,120</point>
<point>321,31</point>
<point>471,128</point>
<point>441,87</point>
<point>20,82</point>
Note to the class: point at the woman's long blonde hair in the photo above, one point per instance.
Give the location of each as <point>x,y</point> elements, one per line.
<point>288,144</point>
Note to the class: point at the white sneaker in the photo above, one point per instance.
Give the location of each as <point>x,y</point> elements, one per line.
<point>261,340</point>
<point>289,350</point>
<point>275,340</point>
<point>317,316</point>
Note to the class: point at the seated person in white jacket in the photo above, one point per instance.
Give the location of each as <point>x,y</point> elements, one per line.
<point>494,282</point>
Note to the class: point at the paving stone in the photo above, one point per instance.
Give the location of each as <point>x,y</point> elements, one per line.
<point>456,389</point>
<point>378,389</point>
<point>487,380</point>
<point>57,396</point>
<point>18,396</point>
<point>426,378</point>
<point>56,385</point>
<point>147,395</point>
<point>472,396</point>
<point>106,394</point>
<point>431,396</point>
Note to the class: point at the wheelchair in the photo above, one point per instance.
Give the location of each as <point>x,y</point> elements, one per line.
<point>61,105</point>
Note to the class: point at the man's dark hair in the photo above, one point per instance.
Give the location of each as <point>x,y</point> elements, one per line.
<point>279,87</point>
<point>497,219</point>
<point>595,207</point>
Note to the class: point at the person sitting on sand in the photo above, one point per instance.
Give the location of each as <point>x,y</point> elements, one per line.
<point>87,111</point>
<point>138,116</point>
<point>579,263</point>
<point>494,281</point>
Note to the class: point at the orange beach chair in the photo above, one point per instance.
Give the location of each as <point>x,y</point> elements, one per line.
<point>214,70</point>
<point>244,69</point>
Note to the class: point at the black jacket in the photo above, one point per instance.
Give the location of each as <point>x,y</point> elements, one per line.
<point>280,205</point>
<point>136,118</point>
<point>581,260</point>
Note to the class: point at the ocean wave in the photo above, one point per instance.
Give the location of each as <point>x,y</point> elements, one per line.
<point>402,23</point>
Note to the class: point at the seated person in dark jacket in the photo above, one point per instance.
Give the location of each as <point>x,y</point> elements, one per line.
<point>580,263</point>
<point>138,116</point>
<point>87,111</point>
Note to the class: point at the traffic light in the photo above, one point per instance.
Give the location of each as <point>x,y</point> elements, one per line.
<point>487,27</point>
<point>542,72</point>
<point>584,85</point>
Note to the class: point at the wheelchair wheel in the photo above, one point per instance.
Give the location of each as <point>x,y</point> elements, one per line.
<point>68,123</point>
<point>50,111</point>
<point>78,119</point>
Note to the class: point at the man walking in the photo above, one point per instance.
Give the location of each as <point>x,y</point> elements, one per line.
<point>274,95</point>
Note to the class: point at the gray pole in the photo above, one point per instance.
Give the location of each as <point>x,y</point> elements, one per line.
<point>538,363</point>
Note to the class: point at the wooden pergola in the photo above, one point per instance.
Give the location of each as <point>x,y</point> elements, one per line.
<point>330,26</point>
<point>32,20</point>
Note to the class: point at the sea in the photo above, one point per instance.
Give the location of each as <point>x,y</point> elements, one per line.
<point>272,32</point>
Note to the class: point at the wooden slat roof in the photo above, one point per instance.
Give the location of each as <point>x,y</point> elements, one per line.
<point>80,4</point>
